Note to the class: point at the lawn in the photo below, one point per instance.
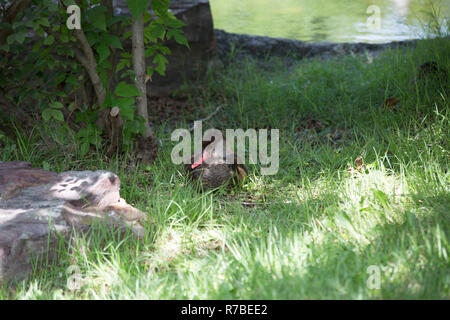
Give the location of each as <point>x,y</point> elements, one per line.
<point>324,227</point>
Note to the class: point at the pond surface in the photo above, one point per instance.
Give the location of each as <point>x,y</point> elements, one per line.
<point>328,20</point>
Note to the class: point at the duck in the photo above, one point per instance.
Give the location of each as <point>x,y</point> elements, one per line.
<point>211,169</point>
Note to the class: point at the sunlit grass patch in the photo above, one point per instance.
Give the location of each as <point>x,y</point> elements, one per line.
<point>360,184</point>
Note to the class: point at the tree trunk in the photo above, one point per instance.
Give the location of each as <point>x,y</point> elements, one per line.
<point>139,69</point>
<point>147,145</point>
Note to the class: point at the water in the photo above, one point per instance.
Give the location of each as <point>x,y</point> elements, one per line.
<point>327,20</point>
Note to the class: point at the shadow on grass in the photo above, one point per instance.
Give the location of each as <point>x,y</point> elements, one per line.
<point>411,255</point>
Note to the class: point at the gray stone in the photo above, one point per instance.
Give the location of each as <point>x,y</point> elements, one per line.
<point>39,208</point>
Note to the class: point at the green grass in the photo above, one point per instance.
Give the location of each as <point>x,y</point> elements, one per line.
<point>315,227</point>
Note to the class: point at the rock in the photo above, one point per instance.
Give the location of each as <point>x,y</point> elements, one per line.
<point>38,208</point>
<point>184,63</point>
<point>259,47</point>
<point>18,175</point>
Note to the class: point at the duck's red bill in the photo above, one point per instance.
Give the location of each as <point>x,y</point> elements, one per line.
<point>204,157</point>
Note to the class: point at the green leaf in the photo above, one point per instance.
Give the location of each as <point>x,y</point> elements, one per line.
<point>108,102</point>
<point>5,48</point>
<point>46,114</point>
<point>139,125</point>
<point>124,103</point>
<point>171,21</point>
<point>64,38</point>
<point>150,71</point>
<point>154,31</point>
<point>179,38</point>
<point>49,40</point>
<point>164,50</point>
<point>84,149</point>
<point>46,166</point>
<point>150,51</point>
<point>72,80</point>
<point>96,17</point>
<point>127,74</point>
<point>120,66</point>
<point>161,61</point>
<point>5,25</point>
<point>92,37</point>
<point>39,31</point>
<point>160,6</point>
<point>11,39</point>
<point>177,34</point>
<point>57,105</point>
<point>113,41</point>
<point>147,17</point>
<point>60,78</point>
<point>53,7</point>
<point>71,106</point>
<point>126,90</point>
<point>103,52</point>
<point>102,74</point>
<point>18,24</point>
<point>20,37</point>
<point>127,35</point>
<point>127,108</point>
<point>84,133</point>
<point>105,64</point>
<point>69,2</point>
<point>44,21</point>
<point>161,69</point>
<point>116,19</point>
<point>137,7</point>
<point>127,114</point>
<point>57,115</point>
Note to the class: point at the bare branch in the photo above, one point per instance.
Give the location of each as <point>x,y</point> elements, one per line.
<point>116,131</point>
<point>80,57</point>
<point>139,68</point>
<point>91,65</point>
<point>208,117</point>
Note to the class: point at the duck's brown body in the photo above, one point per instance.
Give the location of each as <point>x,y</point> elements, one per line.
<point>212,171</point>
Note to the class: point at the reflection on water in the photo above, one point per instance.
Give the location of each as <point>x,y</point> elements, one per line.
<point>326,20</point>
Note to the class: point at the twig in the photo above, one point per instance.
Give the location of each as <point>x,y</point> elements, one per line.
<point>116,131</point>
<point>208,117</point>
